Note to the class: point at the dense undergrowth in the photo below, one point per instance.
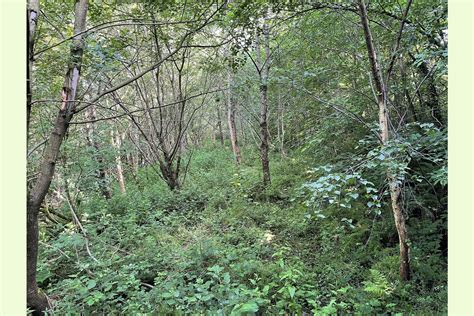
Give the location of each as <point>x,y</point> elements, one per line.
<point>224,246</point>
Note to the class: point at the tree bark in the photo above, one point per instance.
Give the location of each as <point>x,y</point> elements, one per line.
<point>394,184</point>
<point>219,126</point>
<point>117,143</point>
<point>35,299</point>
<point>263,76</point>
<point>32,12</point>
<point>231,120</point>
<point>281,127</point>
<point>170,174</point>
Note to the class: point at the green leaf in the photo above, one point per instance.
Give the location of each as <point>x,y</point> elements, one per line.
<point>353,195</point>
<point>91,284</point>
<point>216,269</point>
<point>90,301</point>
<point>292,291</point>
<point>248,307</point>
<point>226,278</point>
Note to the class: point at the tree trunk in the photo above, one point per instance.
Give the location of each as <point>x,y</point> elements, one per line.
<point>36,300</point>
<point>170,174</point>
<point>281,127</point>
<point>219,126</point>
<point>395,196</point>
<point>117,143</point>
<point>32,11</point>
<point>395,189</point>
<point>264,134</point>
<point>263,75</point>
<point>231,121</point>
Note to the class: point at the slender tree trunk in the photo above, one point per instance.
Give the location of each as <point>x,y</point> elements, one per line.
<point>117,143</point>
<point>219,126</point>
<point>395,188</point>
<point>231,121</point>
<point>36,300</point>
<point>264,134</point>
<point>32,11</point>
<point>264,68</point>
<point>281,127</point>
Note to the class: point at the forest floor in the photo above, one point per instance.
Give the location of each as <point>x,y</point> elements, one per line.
<point>224,245</point>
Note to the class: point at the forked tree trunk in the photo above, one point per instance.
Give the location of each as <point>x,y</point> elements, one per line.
<point>170,174</point>
<point>394,184</point>
<point>36,300</point>
<point>231,120</point>
<point>264,68</point>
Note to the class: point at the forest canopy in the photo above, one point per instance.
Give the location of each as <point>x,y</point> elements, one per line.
<point>237,157</point>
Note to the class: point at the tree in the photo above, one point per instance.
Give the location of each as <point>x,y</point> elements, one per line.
<point>263,68</point>
<point>36,300</point>
<point>231,111</point>
<point>393,181</point>
<point>219,125</point>
<point>116,139</point>
<point>33,12</point>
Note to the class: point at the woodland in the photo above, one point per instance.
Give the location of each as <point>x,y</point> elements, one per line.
<point>235,157</point>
